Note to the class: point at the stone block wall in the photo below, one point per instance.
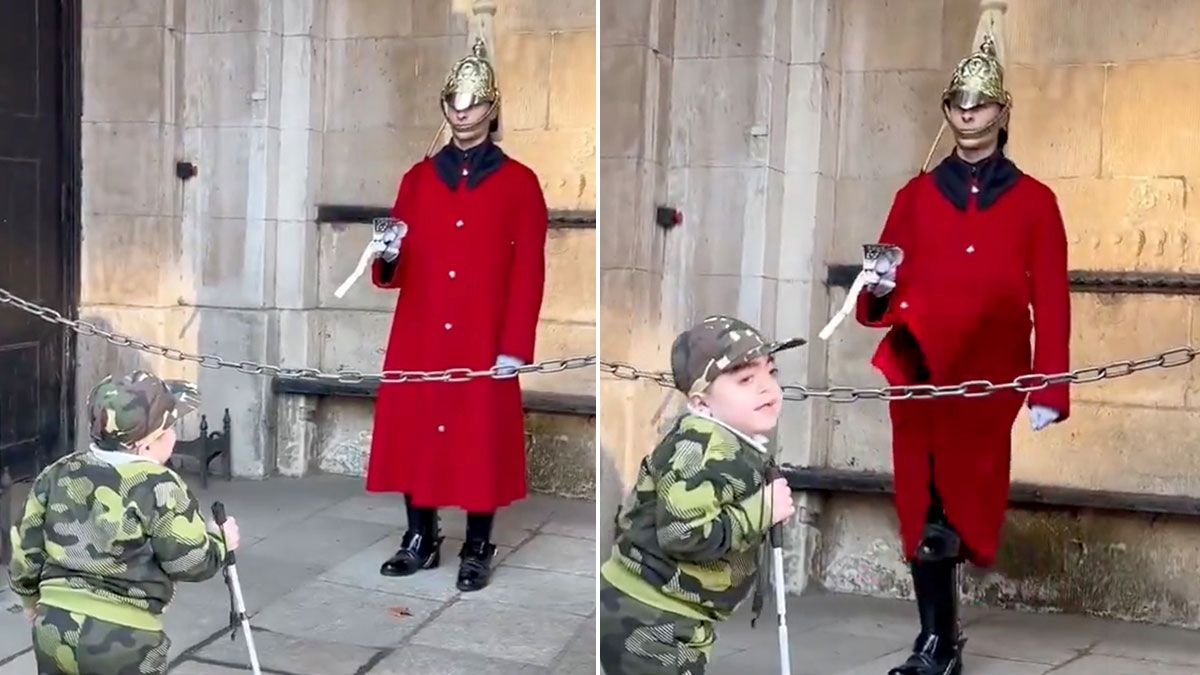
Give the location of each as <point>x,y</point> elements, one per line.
<point>283,105</point>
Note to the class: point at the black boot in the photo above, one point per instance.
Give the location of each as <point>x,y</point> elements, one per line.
<point>938,648</point>
<point>475,571</point>
<point>421,547</point>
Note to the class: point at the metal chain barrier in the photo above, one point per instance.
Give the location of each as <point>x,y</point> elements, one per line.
<point>253,368</point>
<point>1172,358</point>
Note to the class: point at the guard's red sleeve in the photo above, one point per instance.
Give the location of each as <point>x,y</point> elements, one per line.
<point>390,275</point>
<point>1051,309</point>
<point>872,311</point>
<point>526,282</point>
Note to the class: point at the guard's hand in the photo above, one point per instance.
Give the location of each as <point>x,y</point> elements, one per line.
<point>507,365</point>
<point>389,241</point>
<point>782,506</point>
<point>880,285</point>
<point>1041,416</point>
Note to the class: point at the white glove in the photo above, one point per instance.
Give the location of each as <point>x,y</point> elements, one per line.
<point>507,365</point>
<point>882,279</point>
<point>390,241</point>
<point>1041,417</point>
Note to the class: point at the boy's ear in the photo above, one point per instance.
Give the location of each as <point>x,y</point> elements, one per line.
<point>697,401</point>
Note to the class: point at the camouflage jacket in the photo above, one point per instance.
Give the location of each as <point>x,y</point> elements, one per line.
<point>689,534</point>
<point>107,534</point>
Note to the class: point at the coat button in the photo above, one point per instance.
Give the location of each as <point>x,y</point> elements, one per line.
<point>449,326</point>
<point>903,305</point>
<point>466,173</point>
<point>459,224</point>
<point>452,274</point>
<point>441,429</point>
<point>971,249</point>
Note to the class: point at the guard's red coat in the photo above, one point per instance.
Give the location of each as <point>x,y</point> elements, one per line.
<point>471,273</point>
<point>964,292</point>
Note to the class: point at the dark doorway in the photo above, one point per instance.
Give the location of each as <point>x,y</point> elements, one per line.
<point>39,231</point>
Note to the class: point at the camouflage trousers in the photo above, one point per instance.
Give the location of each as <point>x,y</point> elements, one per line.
<point>66,643</point>
<point>637,639</point>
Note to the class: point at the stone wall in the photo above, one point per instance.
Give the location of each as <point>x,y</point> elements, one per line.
<point>783,128</point>
<point>284,105</point>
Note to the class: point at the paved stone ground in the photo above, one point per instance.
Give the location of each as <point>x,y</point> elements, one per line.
<point>309,567</point>
<point>850,635</point>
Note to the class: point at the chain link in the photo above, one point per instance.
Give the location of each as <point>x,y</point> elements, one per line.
<point>1172,358</point>
<point>345,376</point>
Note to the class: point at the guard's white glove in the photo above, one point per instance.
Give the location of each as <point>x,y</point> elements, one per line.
<point>507,365</point>
<point>882,280</point>
<point>388,243</point>
<point>1041,416</point>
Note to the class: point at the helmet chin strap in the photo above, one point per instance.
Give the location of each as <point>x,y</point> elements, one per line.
<point>484,123</point>
<point>999,120</point>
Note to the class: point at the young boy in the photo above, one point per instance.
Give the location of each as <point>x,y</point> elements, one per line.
<point>108,531</point>
<point>689,535</point>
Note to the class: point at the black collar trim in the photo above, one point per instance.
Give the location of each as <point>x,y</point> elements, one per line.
<point>994,176</point>
<point>479,162</point>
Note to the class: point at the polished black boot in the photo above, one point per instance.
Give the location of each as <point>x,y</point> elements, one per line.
<point>475,570</point>
<point>938,648</point>
<point>420,548</point>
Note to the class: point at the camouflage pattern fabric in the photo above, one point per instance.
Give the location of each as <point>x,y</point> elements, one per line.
<point>65,643</point>
<point>136,408</point>
<point>715,346</point>
<point>637,639</point>
<point>689,533</point>
<point>110,539</point>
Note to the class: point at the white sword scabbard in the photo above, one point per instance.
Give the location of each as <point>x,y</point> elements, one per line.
<point>860,282</point>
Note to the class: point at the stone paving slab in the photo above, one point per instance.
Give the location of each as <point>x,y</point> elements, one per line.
<point>197,668</point>
<point>979,665</point>
<point>498,631</point>
<point>579,658</point>
<point>362,571</point>
<point>320,541</point>
<point>201,609</point>
<point>557,554</point>
<point>1112,665</point>
<point>345,614</point>
<point>419,660</point>
<point>298,656</point>
<point>14,628</point>
<point>1042,638</point>
<point>24,664</point>
<point>574,519</point>
<point>539,589</point>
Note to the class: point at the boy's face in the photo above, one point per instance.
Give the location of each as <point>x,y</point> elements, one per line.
<point>747,398</point>
<point>161,448</point>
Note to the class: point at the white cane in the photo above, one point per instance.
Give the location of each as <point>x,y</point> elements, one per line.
<point>237,612</point>
<point>785,654</point>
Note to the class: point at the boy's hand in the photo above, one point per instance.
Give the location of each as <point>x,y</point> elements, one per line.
<point>232,536</point>
<point>31,615</point>
<point>782,506</point>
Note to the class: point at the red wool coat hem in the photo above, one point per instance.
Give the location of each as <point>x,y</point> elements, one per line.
<point>972,289</point>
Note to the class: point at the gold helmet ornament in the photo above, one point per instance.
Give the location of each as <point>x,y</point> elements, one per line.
<point>472,80</point>
<point>979,80</point>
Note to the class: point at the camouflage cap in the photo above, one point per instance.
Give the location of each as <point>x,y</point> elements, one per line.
<point>715,346</point>
<point>137,407</point>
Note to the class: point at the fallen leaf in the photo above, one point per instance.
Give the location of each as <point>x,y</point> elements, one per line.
<point>398,612</point>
